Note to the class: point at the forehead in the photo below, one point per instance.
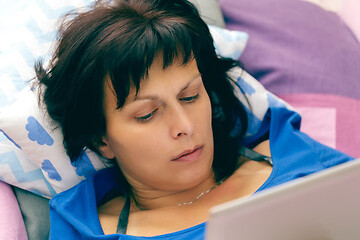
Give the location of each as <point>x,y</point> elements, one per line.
<point>158,77</point>
<point>175,71</point>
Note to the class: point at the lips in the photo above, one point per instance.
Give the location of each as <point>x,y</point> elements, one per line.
<point>189,155</point>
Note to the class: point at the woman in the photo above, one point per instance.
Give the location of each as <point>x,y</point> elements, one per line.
<point>140,83</point>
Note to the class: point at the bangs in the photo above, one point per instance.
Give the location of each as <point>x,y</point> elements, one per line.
<point>132,46</point>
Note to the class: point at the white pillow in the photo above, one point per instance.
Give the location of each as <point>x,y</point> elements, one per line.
<point>32,155</point>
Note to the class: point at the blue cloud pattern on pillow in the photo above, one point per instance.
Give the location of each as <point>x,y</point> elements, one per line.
<point>10,160</point>
<point>48,167</point>
<point>83,165</point>
<point>37,133</point>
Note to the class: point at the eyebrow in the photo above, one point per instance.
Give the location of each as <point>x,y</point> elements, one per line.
<point>156,97</point>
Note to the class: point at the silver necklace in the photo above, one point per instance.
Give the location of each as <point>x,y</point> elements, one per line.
<point>201,194</point>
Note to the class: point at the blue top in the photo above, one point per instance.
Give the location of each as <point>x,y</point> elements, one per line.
<point>73,213</point>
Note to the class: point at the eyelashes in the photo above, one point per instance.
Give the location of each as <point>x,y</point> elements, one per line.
<point>190,99</point>
<point>149,116</point>
<point>146,117</point>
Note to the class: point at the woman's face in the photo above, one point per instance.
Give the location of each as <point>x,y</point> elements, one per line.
<point>162,137</point>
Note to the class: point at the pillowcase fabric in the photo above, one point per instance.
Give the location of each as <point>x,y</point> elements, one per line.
<point>307,56</point>
<point>32,156</point>
<point>210,11</point>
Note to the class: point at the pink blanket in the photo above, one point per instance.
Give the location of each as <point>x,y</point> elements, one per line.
<point>11,222</point>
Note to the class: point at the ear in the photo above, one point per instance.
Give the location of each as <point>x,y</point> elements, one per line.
<point>105,149</point>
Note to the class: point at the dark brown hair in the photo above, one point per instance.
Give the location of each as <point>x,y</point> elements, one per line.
<point>121,40</point>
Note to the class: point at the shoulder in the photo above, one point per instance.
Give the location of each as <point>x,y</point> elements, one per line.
<point>77,208</point>
<point>109,214</point>
<point>252,174</point>
<point>263,148</point>
<point>114,206</point>
<point>94,188</point>
<point>252,166</point>
<point>73,195</point>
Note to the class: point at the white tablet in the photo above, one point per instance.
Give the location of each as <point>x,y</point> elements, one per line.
<point>321,206</point>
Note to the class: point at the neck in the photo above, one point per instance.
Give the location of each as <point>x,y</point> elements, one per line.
<point>150,199</point>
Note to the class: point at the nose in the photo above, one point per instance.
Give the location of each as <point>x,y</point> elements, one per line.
<point>180,122</point>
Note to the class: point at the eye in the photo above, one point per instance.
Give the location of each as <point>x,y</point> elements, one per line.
<point>190,99</point>
<point>146,117</point>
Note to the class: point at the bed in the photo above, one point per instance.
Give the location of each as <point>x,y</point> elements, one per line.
<point>305,52</point>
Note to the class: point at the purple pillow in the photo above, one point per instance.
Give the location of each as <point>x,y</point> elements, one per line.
<point>306,55</point>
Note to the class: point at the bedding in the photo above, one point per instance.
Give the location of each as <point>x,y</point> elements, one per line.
<point>30,145</point>
<point>35,212</point>
<point>11,222</point>
<point>210,12</point>
<point>348,10</point>
<point>268,55</point>
<point>307,56</point>
<point>29,36</point>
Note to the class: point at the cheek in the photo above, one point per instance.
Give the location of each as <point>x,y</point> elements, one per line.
<point>131,143</point>
<point>133,154</point>
<point>134,145</point>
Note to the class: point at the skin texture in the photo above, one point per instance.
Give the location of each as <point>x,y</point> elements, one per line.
<point>170,114</point>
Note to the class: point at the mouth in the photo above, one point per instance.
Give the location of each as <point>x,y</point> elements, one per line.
<point>189,155</point>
